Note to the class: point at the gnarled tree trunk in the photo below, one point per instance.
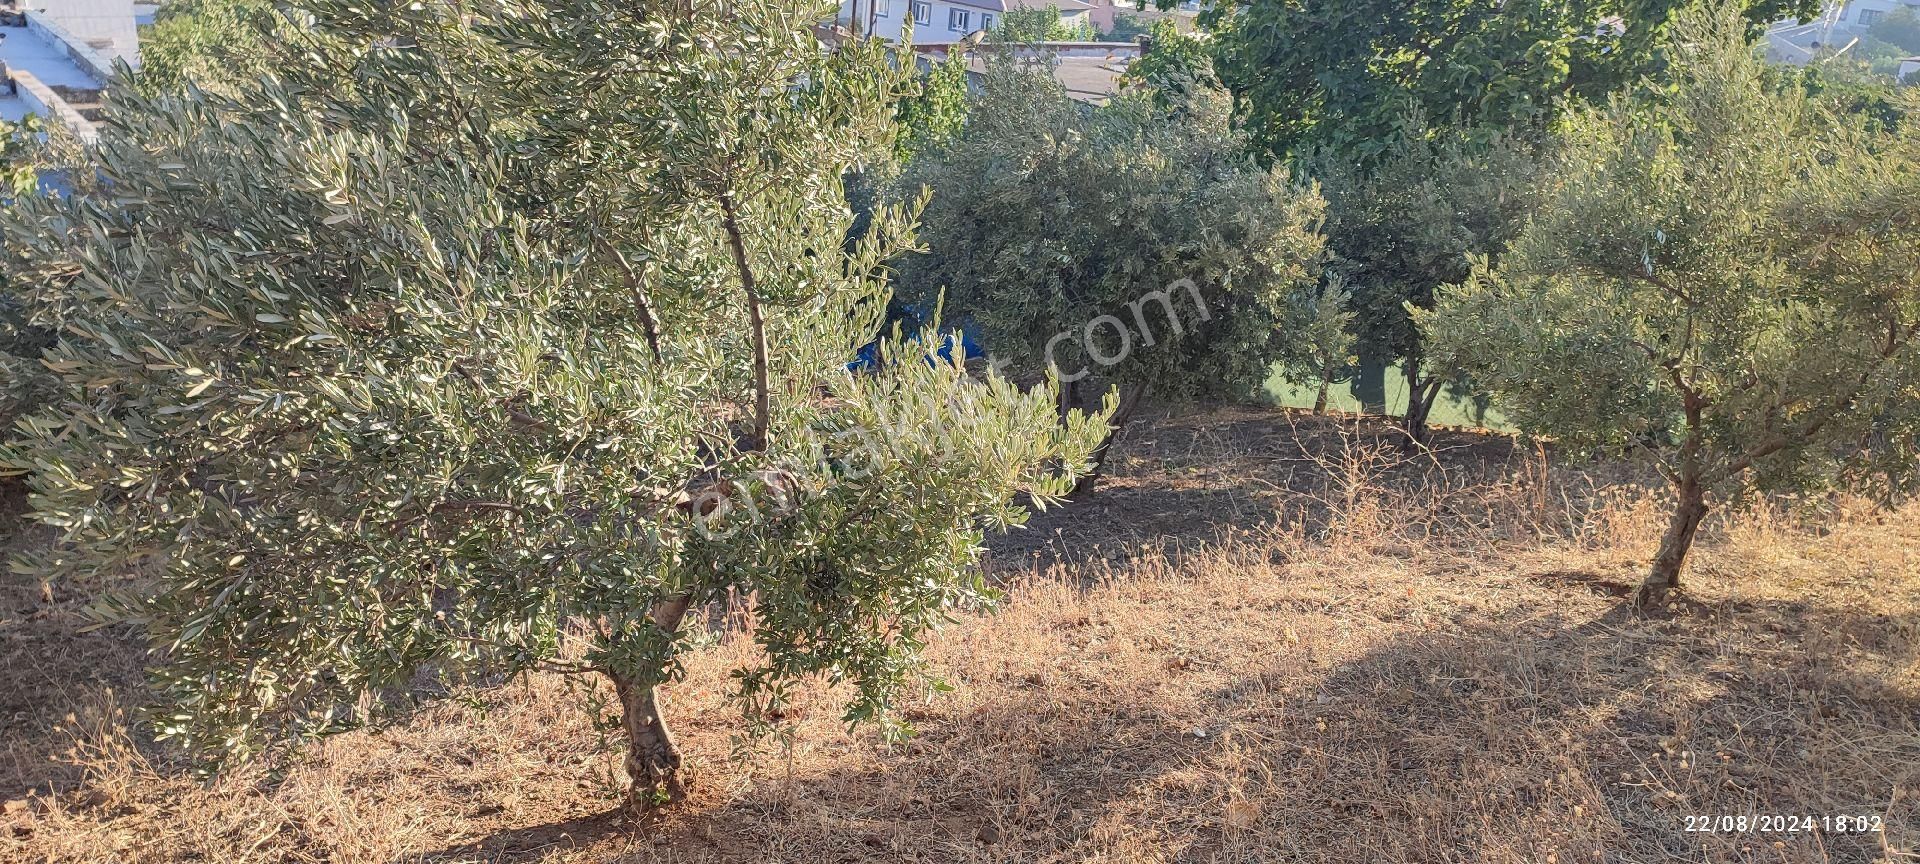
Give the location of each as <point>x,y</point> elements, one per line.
<point>1422,392</point>
<point>1130,396</point>
<point>653,759</point>
<point>1663,577</point>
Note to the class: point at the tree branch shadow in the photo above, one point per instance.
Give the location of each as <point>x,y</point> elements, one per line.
<point>1586,733</point>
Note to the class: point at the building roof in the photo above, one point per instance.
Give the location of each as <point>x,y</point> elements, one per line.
<point>23,50</point>
<point>1093,80</point>
<point>1089,79</point>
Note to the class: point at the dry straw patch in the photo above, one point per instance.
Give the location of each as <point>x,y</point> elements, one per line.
<point>1330,650</point>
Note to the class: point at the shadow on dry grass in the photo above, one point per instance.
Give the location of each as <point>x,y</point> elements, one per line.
<point>1394,670</point>
<point>1185,481</point>
<point>1570,734</point>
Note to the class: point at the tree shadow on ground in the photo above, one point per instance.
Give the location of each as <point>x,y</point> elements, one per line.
<point>1181,482</point>
<point>534,842</point>
<point>1572,732</point>
<point>1177,482</point>
<point>52,667</point>
<point>1346,708</point>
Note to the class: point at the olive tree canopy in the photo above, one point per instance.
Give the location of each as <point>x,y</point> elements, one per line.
<point>480,326</point>
<point>1134,244</point>
<point>1726,276</point>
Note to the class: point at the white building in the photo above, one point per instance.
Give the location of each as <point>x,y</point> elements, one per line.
<point>109,28</point>
<point>943,21</point>
<point>1837,26</point>
<point>1857,16</point>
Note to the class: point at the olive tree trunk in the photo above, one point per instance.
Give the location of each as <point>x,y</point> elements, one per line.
<point>1130,396</point>
<point>653,759</point>
<point>1663,577</point>
<point>1422,392</point>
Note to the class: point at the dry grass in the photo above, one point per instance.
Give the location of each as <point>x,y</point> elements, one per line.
<point>1356,656</point>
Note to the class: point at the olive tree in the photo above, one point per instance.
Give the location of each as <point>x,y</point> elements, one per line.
<point>24,384</point>
<point>1129,245</point>
<point>1319,334</point>
<point>1039,24</point>
<point>498,336</point>
<point>1172,62</point>
<point>1409,221</point>
<point>213,43</point>
<point>1727,277</point>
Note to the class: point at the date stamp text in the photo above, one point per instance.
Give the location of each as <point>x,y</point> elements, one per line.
<point>1783,823</point>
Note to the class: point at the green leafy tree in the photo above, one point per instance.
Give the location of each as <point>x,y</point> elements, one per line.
<point>1123,245</point>
<point>1037,24</point>
<point>1876,102</point>
<point>1724,277</point>
<point>1126,28</point>
<point>931,115</point>
<point>1319,337</point>
<point>1409,222</point>
<point>211,43</point>
<point>1900,28</point>
<point>452,350</point>
<point>1343,74</point>
<point>1173,63</point>
<point>24,384</point>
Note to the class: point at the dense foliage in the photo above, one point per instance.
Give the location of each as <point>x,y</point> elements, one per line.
<point>1345,74</point>
<point>931,114</point>
<point>1126,28</point>
<point>1039,24</point>
<point>211,43</point>
<point>1723,276</point>
<point>1408,222</point>
<point>24,384</point>
<point>1899,28</point>
<point>504,336</point>
<point>1130,245</point>
<point>1172,62</point>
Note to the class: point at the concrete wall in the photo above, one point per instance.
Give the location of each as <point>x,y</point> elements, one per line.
<point>94,32</point>
<point>92,62</point>
<point>43,101</point>
<point>1117,51</point>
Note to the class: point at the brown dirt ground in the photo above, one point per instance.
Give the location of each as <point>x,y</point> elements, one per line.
<point>1270,638</point>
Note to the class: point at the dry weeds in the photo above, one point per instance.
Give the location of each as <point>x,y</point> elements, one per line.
<point>1326,650</point>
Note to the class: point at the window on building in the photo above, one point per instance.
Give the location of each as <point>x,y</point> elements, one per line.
<point>922,12</point>
<point>986,21</point>
<point>957,20</point>
<point>882,8</point>
<point>1870,17</point>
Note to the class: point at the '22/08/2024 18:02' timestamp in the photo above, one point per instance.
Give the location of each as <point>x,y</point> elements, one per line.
<point>1783,823</point>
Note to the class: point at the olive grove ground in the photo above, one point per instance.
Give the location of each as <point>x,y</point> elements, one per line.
<point>1269,637</point>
